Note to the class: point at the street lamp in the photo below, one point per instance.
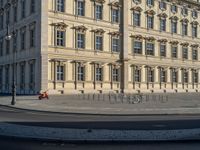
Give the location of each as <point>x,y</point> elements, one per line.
<point>8,37</point>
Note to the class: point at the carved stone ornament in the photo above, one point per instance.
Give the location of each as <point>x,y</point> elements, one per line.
<point>150,12</point>
<point>162,15</point>
<point>185,44</point>
<point>136,8</point>
<point>151,38</point>
<point>60,25</point>
<point>137,36</point>
<point>162,40</point>
<point>80,28</point>
<point>98,31</point>
<point>116,34</point>
<point>115,4</point>
<point>174,42</point>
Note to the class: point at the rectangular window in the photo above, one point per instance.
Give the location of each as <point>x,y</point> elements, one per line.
<point>137,75</point>
<point>1,47</point>
<point>150,22</point>
<point>7,78</point>
<point>15,13</point>
<point>184,11</point>
<point>1,78</point>
<point>8,17</point>
<point>60,73</point>
<point>136,18</point>
<point>115,45</point>
<point>7,47</point>
<point>185,77</point>
<point>150,76</point>
<point>115,74</point>
<point>32,37</point>
<point>23,9</point>
<point>163,50</point>
<point>174,51</point>
<point>32,7</point>
<point>115,15</point>
<point>99,74</point>
<point>194,14</point>
<point>22,77</point>
<point>80,8</point>
<point>15,43</point>
<point>60,5</point>
<point>137,49</point>
<point>163,76</point>
<point>174,9</point>
<point>185,53</point>
<point>1,21</point>
<point>163,5</point>
<point>195,78</point>
<point>194,54</point>
<point>194,31</point>
<point>175,76</point>
<point>162,24</point>
<point>150,2</point>
<point>81,72</point>
<point>174,26</point>
<point>184,29</point>
<point>99,43</point>
<point>32,73</point>
<point>81,40</point>
<point>60,38</point>
<point>99,12</point>
<point>150,49</point>
<point>23,38</point>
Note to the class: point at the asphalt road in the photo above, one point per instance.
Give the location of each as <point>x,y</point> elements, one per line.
<point>24,144</point>
<point>33,118</point>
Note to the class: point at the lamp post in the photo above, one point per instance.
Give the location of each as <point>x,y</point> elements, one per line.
<point>8,37</point>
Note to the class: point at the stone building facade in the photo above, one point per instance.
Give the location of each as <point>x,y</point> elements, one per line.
<point>99,46</point>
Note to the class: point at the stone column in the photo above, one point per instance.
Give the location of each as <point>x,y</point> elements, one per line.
<point>124,45</point>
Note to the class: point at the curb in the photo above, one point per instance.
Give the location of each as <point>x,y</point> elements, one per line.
<point>97,114</point>
<point>100,135</point>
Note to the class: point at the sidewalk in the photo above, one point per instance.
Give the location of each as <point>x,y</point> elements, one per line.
<point>185,103</point>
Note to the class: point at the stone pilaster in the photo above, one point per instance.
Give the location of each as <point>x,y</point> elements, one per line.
<point>124,45</point>
<point>44,46</point>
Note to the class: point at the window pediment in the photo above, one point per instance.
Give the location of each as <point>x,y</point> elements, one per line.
<point>162,15</point>
<point>138,37</point>
<point>136,8</point>
<point>115,34</point>
<point>98,31</point>
<point>186,44</point>
<point>174,18</point>
<point>195,45</point>
<point>150,12</point>
<point>115,4</point>
<point>194,23</point>
<point>162,40</point>
<point>184,20</point>
<point>60,25</point>
<point>174,42</point>
<point>99,1</point>
<point>80,28</point>
<point>150,39</point>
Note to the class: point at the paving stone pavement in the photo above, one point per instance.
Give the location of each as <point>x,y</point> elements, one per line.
<point>176,103</point>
